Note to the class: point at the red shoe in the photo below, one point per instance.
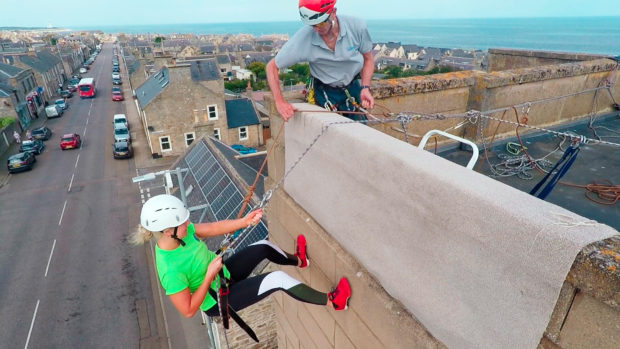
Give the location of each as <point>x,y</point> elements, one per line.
<point>340,296</point>
<point>301,251</point>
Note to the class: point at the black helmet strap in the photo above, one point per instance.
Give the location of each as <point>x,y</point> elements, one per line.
<point>174,236</point>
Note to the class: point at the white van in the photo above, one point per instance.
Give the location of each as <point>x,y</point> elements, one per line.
<point>121,119</point>
<point>53,111</point>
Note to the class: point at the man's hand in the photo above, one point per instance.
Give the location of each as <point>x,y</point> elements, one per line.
<point>367,101</point>
<point>285,109</point>
<point>253,217</point>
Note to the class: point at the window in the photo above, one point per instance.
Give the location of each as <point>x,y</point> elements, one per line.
<point>189,138</point>
<point>243,133</point>
<point>212,112</point>
<point>164,144</point>
<point>216,133</point>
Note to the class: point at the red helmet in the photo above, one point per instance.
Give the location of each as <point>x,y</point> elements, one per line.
<point>315,11</point>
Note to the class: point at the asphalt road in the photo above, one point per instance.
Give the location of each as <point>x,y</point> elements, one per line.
<point>68,278</point>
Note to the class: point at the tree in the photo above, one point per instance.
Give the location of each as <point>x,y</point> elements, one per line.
<point>258,68</point>
<point>160,40</point>
<point>302,70</point>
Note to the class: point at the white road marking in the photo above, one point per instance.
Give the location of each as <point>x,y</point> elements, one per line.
<point>32,323</point>
<point>77,160</point>
<point>50,259</point>
<point>70,184</point>
<point>83,134</point>
<point>63,212</point>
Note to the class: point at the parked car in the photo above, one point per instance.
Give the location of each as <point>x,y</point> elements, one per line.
<point>42,133</point>
<point>122,150</point>
<point>61,103</point>
<point>117,96</point>
<point>66,94</point>
<point>53,111</point>
<point>120,119</point>
<point>34,146</point>
<point>116,69</point>
<point>116,75</point>
<point>117,81</point>
<point>78,77</point>
<point>20,162</point>
<point>70,141</point>
<point>83,70</point>
<point>121,133</point>
<point>243,149</point>
<point>72,88</point>
<point>116,88</point>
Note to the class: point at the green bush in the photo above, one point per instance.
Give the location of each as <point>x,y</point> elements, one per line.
<point>6,120</point>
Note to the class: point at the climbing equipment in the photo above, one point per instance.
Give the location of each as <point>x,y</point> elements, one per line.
<point>562,166</point>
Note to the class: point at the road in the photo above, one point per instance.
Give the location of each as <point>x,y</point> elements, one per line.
<point>68,278</point>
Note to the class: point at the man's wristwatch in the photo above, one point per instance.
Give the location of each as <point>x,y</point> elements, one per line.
<point>364,86</point>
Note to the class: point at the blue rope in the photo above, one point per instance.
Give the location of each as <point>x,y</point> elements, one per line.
<point>564,165</point>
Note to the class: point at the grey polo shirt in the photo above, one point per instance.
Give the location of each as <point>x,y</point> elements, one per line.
<point>336,68</point>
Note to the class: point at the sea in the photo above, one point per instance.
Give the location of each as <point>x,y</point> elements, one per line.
<point>598,35</point>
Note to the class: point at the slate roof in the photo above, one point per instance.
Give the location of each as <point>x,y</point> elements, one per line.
<point>223,59</point>
<point>152,87</point>
<point>43,62</point>
<point>207,48</point>
<point>204,70</point>
<point>5,90</point>
<point>9,71</point>
<point>240,112</point>
<point>245,47</point>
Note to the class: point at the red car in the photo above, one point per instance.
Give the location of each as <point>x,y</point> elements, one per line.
<point>70,141</point>
<point>117,96</point>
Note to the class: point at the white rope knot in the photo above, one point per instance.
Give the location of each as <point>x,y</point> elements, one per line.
<point>404,118</point>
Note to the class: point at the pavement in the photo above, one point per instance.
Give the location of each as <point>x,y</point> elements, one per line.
<point>14,149</point>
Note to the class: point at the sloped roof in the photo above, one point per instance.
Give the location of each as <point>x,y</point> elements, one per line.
<point>153,86</point>
<point>9,71</point>
<point>223,59</point>
<point>204,70</point>
<point>5,90</point>
<point>240,112</point>
<point>43,62</point>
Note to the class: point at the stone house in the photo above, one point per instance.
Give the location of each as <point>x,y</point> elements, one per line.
<point>244,126</point>
<point>47,68</point>
<point>180,103</point>
<point>19,95</point>
<point>225,64</point>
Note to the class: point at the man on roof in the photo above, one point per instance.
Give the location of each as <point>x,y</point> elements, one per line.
<point>338,49</point>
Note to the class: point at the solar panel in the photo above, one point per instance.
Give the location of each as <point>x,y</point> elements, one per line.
<point>219,191</point>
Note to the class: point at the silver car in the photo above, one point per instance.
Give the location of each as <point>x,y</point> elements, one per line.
<point>121,133</point>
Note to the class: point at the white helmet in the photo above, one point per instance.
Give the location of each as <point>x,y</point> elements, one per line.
<point>162,212</point>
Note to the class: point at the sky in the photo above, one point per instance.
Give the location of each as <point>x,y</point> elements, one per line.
<point>65,13</point>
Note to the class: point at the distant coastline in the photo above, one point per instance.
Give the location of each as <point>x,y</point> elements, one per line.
<point>598,35</point>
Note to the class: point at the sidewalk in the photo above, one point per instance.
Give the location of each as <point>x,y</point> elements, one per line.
<point>13,148</point>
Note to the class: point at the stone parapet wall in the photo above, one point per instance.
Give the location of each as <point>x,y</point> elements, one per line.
<point>554,91</point>
<point>377,317</point>
<point>506,59</point>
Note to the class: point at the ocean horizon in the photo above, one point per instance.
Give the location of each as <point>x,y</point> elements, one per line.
<point>597,35</point>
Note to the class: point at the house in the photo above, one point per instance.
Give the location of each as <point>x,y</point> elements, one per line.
<point>460,63</point>
<point>243,74</point>
<point>181,103</point>
<point>208,49</point>
<point>263,57</point>
<point>244,126</point>
<point>19,95</point>
<point>225,64</point>
<point>47,68</point>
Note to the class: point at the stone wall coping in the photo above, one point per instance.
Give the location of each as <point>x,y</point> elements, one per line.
<point>545,72</point>
<point>439,82</point>
<point>569,56</point>
<point>422,84</point>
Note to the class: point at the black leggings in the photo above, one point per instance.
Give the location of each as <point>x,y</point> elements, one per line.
<point>245,292</point>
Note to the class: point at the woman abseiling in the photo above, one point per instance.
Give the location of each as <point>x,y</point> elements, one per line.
<point>187,268</point>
